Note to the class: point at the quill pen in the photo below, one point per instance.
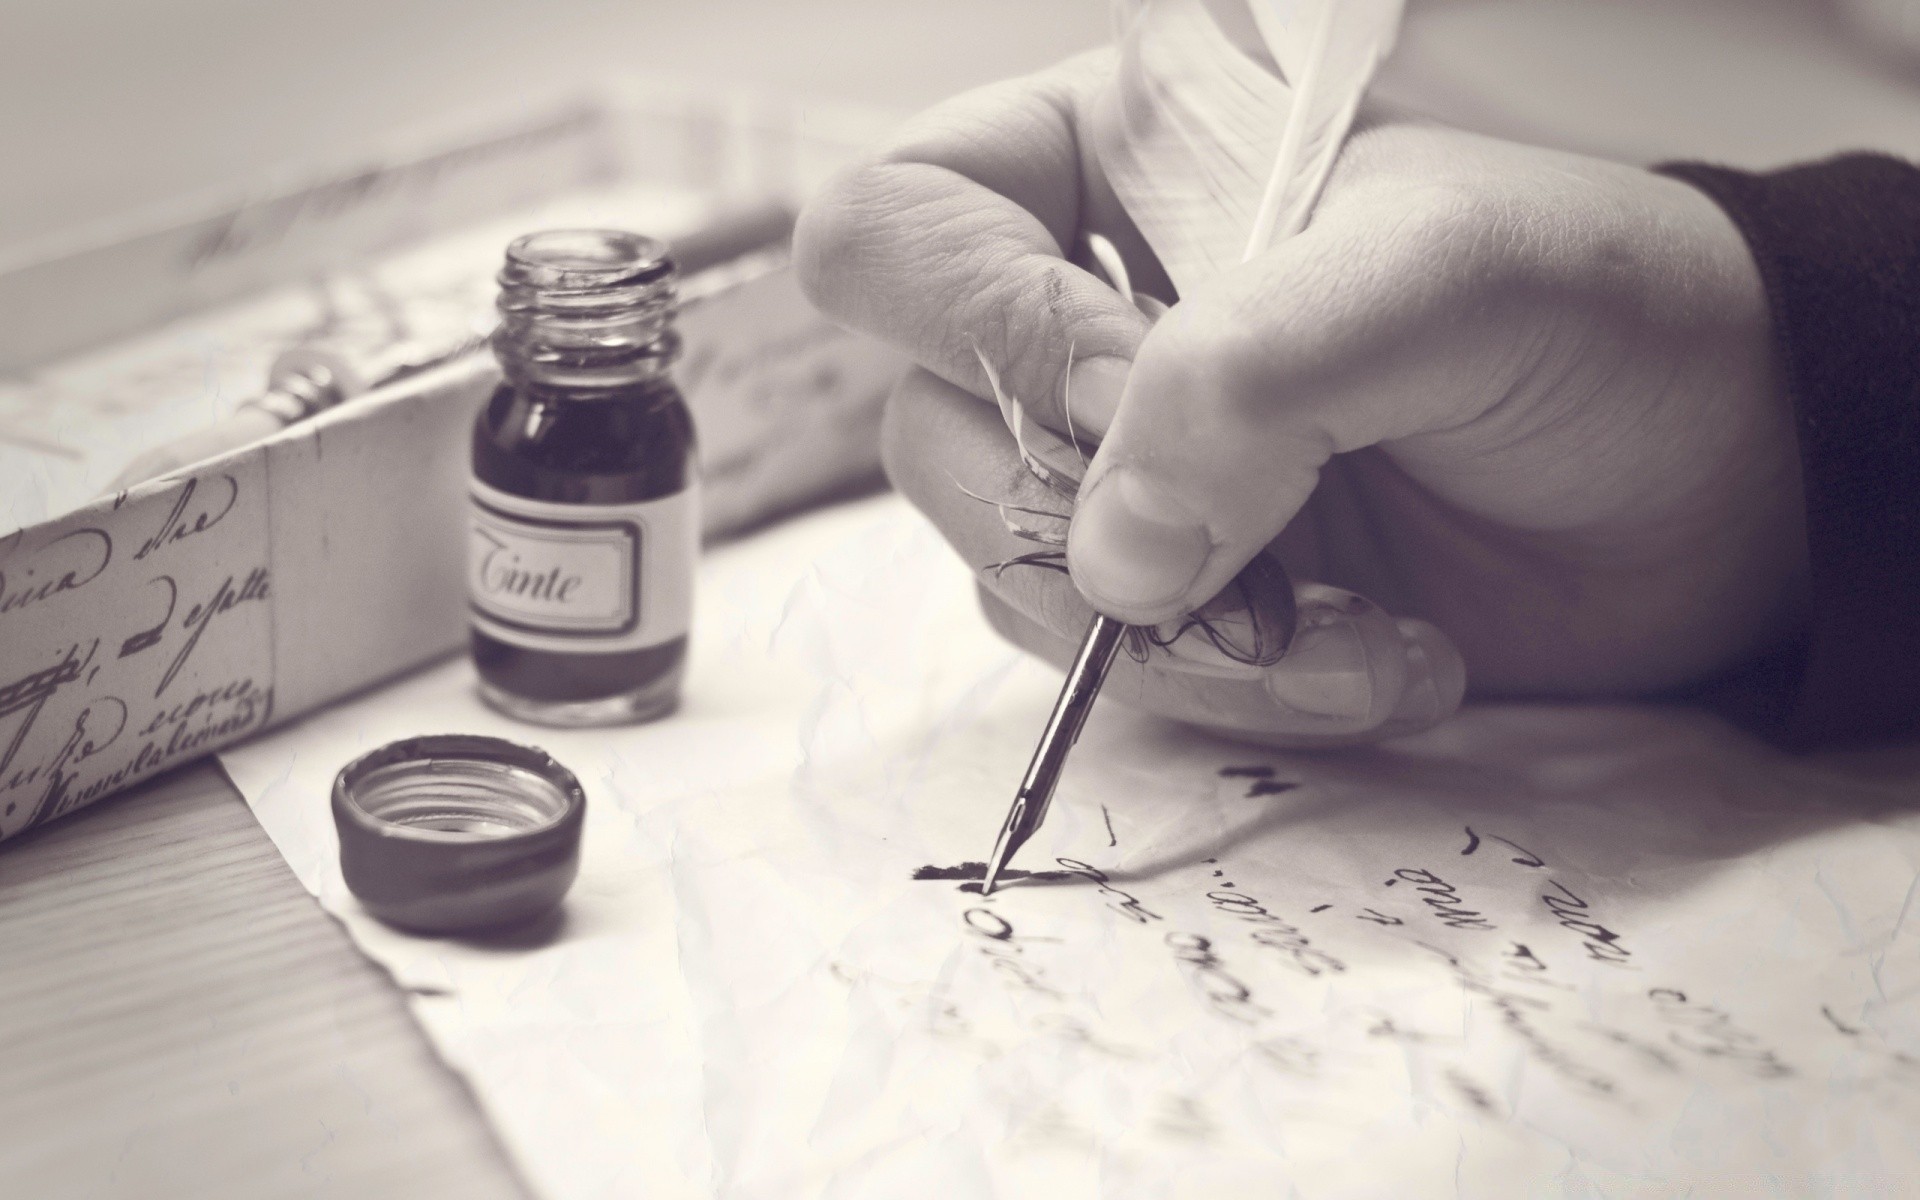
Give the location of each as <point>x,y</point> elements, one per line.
<point>1224,118</point>
<point>1217,134</point>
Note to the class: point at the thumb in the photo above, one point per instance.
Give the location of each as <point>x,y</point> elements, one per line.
<point>1239,397</point>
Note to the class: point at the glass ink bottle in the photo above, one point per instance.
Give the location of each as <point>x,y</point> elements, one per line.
<point>585,526</point>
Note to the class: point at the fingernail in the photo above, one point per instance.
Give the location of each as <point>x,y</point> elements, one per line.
<point>1133,546</point>
<point>1436,678</point>
<point>1419,704</point>
<point>1325,673</point>
<point>1093,392</point>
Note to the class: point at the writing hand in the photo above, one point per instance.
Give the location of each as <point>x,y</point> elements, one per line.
<point>1521,396</point>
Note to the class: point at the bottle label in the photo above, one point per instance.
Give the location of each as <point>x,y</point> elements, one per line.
<point>582,578</point>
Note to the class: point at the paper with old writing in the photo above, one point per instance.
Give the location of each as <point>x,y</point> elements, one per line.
<point>1537,951</point>
<point>133,637</point>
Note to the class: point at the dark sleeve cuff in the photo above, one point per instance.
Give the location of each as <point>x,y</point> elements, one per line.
<point>1838,245</point>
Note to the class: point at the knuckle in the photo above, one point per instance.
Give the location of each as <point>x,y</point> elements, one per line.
<point>821,235</point>
<point>1018,328</point>
<point>842,236</point>
<point>1210,360</point>
<point>1446,231</point>
<point>1202,340</point>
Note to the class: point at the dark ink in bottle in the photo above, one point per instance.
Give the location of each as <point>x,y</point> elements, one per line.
<point>585,524</point>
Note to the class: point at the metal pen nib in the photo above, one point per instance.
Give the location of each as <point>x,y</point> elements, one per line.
<point>1030,803</point>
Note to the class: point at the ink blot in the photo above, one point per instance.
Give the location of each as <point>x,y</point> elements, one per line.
<point>1269,787</point>
<point>976,874</point>
<point>1322,908</point>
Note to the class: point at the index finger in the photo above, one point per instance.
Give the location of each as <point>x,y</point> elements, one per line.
<point>953,244</point>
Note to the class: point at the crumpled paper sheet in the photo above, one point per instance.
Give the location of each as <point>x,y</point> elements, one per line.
<point>1536,951</point>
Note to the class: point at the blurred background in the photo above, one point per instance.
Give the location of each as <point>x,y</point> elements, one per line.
<point>109,107</point>
<point>112,105</point>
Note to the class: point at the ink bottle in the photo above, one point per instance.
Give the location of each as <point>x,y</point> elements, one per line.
<point>585,525</point>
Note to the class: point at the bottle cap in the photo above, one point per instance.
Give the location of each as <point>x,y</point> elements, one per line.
<point>457,832</point>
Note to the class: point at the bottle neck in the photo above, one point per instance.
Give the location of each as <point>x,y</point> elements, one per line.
<point>586,309</point>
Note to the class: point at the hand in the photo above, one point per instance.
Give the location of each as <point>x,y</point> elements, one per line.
<point>1520,395</point>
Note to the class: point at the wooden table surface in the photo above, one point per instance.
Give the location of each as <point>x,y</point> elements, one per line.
<point>178,1018</point>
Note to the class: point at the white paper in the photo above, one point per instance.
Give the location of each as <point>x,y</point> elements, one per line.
<point>1536,951</point>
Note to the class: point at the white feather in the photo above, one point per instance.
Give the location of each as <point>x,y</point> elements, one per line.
<point>1218,149</point>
